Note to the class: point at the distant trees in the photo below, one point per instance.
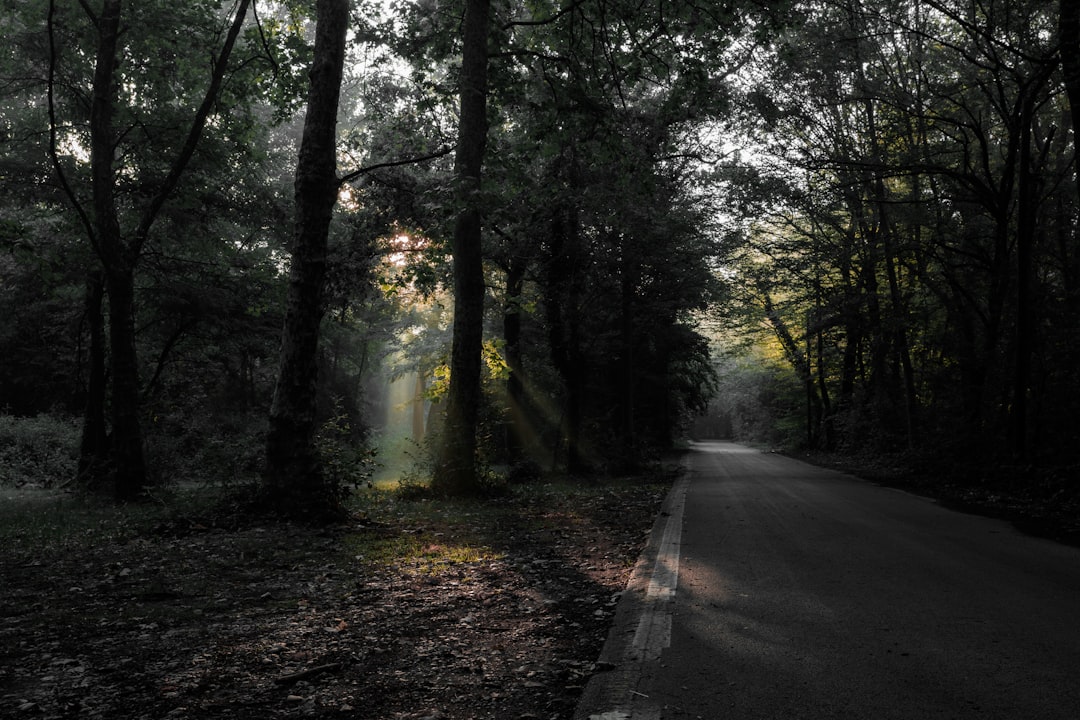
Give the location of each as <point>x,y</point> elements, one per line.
<point>590,231</point>
<point>921,256</point>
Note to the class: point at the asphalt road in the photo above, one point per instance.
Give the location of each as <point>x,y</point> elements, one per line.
<point>775,589</point>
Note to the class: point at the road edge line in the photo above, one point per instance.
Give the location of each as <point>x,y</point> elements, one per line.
<point>641,628</point>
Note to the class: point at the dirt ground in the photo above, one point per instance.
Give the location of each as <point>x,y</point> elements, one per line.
<point>489,610</point>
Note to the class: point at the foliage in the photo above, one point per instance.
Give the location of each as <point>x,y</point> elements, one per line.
<point>760,401</point>
<point>877,205</point>
<point>40,450</point>
<point>903,224</point>
<point>210,447</point>
<point>346,460</point>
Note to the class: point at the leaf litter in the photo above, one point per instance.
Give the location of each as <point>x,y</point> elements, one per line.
<point>371,619</point>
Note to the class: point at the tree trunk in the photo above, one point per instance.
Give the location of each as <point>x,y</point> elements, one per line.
<point>418,407</point>
<point>129,463</point>
<point>799,360</point>
<point>127,438</point>
<point>119,257</point>
<point>1026,232</point>
<point>293,483</point>
<point>456,470</point>
<point>627,361</point>
<point>94,442</point>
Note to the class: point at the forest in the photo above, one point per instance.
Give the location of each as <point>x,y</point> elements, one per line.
<point>290,245</point>
<point>349,346</point>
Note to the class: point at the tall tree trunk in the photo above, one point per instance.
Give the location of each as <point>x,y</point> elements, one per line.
<point>127,438</point>
<point>799,360</point>
<point>94,442</point>
<point>129,462</point>
<point>418,407</point>
<point>898,311</point>
<point>293,483</point>
<point>561,302</point>
<point>627,361</point>
<point>456,469</point>
<point>1026,232</point>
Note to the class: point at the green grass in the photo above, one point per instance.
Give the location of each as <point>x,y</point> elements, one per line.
<point>420,536</point>
<point>37,521</point>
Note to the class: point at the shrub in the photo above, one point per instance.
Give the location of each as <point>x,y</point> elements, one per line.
<point>42,450</point>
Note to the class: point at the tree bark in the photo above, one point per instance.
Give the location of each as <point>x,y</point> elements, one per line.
<point>293,483</point>
<point>129,462</point>
<point>628,280</point>
<point>127,439</point>
<point>456,469</point>
<point>1026,233</point>
<point>418,407</point>
<point>562,301</point>
<point>94,442</point>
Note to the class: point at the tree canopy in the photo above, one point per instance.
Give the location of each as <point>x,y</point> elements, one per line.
<point>553,231</point>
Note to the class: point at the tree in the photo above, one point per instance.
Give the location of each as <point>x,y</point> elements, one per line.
<point>119,250</point>
<point>293,482</point>
<point>919,252</point>
<point>456,471</point>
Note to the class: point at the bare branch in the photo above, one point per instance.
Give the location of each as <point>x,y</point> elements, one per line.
<point>396,163</point>
<point>262,38</point>
<point>86,8</point>
<point>545,21</point>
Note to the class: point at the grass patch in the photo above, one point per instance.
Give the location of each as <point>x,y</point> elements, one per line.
<point>424,554</point>
<point>420,536</point>
<point>36,521</point>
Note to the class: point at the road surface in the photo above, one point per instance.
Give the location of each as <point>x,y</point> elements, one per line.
<point>775,589</point>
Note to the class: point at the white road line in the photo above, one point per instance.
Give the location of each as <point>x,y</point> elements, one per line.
<point>654,628</point>
<point>652,635</point>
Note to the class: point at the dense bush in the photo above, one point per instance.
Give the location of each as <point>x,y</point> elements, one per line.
<point>195,445</point>
<point>42,450</point>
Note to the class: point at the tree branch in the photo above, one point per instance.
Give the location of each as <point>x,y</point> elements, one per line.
<point>262,39</point>
<point>86,8</point>
<point>53,152</point>
<point>195,133</point>
<point>546,21</point>
<point>395,163</point>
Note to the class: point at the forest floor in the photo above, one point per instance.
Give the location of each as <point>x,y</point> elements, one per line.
<point>414,609</point>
